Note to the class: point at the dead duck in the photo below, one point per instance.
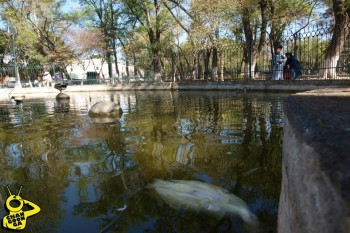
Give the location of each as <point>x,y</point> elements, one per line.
<point>200,196</point>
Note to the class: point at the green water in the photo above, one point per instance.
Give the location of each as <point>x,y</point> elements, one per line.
<point>80,172</point>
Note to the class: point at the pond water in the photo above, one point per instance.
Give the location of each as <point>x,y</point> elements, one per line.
<point>81,173</point>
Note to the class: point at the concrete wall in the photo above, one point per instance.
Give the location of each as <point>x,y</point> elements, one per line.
<point>315,195</point>
<point>238,86</point>
<point>262,85</point>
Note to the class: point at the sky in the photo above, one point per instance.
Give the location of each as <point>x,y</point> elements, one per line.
<point>71,4</point>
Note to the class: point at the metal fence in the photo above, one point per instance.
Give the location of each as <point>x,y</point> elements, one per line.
<point>232,61</point>
<point>308,45</point>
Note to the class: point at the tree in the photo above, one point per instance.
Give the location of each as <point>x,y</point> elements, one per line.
<point>4,42</point>
<point>210,27</point>
<point>87,45</point>
<point>341,12</point>
<point>206,24</point>
<point>155,20</point>
<point>247,21</point>
<point>104,19</point>
<point>254,22</point>
<point>40,28</point>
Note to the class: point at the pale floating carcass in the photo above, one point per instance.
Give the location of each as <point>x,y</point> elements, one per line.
<point>199,196</point>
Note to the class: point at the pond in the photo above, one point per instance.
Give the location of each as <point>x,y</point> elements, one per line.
<point>89,177</point>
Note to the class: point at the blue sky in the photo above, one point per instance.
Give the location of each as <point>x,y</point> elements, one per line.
<point>71,4</point>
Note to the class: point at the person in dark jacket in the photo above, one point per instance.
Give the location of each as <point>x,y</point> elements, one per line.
<point>293,66</point>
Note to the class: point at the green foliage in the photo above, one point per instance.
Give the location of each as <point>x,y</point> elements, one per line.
<point>46,31</point>
<point>4,42</point>
<point>40,29</point>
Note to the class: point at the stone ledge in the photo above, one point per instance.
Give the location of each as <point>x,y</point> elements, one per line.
<point>315,195</point>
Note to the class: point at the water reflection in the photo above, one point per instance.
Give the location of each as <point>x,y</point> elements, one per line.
<point>81,171</point>
<point>62,105</point>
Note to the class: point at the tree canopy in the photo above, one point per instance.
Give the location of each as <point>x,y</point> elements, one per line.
<point>53,31</point>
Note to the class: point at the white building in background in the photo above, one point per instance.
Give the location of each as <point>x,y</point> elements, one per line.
<point>90,67</point>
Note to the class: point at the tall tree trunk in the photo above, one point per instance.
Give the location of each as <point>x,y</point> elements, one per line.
<point>108,52</point>
<point>276,33</point>
<point>221,70</point>
<point>248,43</point>
<point>112,35</point>
<point>206,63</point>
<point>157,58</point>
<point>214,64</point>
<point>199,67</point>
<point>157,67</point>
<point>154,39</point>
<point>127,65</point>
<point>116,63</point>
<point>115,58</point>
<point>109,62</point>
<point>135,65</point>
<point>253,47</point>
<point>341,31</point>
<point>253,65</point>
<point>194,66</point>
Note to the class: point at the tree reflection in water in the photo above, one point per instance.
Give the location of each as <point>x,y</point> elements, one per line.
<point>80,171</point>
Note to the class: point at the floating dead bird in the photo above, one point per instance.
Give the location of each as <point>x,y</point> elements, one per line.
<point>200,196</point>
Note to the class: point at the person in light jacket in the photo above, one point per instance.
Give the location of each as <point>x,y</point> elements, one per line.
<point>47,78</point>
<point>277,64</point>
